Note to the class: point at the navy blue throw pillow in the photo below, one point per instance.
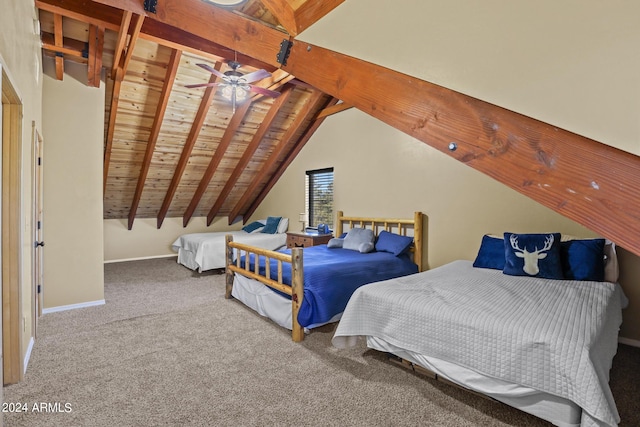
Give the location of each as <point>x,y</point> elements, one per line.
<point>392,242</point>
<point>583,259</point>
<point>536,255</point>
<point>272,224</point>
<point>491,253</point>
<point>251,227</point>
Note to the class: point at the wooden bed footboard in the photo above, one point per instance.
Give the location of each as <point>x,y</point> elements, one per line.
<point>297,276</point>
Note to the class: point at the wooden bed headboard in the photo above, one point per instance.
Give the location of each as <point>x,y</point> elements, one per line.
<point>392,225</point>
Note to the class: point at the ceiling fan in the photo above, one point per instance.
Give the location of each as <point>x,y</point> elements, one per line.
<point>236,85</point>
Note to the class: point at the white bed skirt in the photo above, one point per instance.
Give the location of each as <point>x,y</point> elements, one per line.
<point>560,412</point>
<point>261,299</point>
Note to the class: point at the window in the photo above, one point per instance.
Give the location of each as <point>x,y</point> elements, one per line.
<point>319,197</point>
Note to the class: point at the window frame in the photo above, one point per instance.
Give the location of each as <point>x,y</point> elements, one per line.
<point>311,203</point>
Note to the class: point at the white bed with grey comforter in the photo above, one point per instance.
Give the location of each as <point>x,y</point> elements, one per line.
<point>543,346</point>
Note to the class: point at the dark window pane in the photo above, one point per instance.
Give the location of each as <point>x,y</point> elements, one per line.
<point>319,191</point>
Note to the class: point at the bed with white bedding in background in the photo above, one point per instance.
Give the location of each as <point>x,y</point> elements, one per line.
<point>206,251</point>
<point>542,345</point>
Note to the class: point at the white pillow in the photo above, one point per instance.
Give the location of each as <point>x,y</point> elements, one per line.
<point>283,225</point>
<point>355,237</point>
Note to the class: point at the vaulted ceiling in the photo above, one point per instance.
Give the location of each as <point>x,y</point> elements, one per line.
<point>171,150</point>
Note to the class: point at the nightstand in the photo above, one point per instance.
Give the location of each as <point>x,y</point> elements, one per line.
<point>303,240</point>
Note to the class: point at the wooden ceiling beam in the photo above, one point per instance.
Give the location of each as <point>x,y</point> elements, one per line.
<point>196,126</point>
<point>84,11</point>
<point>296,16</point>
<point>111,124</point>
<point>314,125</point>
<point>121,43</point>
<point>563,171</point>
<point>118,77</point>
<point>334,109</point>
<point>172,71</point>
<point>264,127</point>
<point>57,40</point>
<point>236,32</point>
<point>133,38</point>
<point>110,18</point>
<point>276,155</point>
<point>68,57</point>
<point>69,46</point>
<point>96,45</point>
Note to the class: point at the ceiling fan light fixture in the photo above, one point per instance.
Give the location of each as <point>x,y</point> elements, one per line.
<point>228,90</point>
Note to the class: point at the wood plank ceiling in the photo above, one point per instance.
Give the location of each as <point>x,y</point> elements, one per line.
<point>174,151</point>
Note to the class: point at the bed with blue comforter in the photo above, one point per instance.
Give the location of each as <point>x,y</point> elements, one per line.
<point>332,275</point>
<point>304,288</point>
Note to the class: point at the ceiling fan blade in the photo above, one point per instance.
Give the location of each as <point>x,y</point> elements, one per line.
<point>211,70</point>
<point>263,91</point>
<point>256,75</point>
<point>202,85</point>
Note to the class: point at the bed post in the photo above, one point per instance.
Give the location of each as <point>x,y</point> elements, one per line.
<point>229,261</point>
<point>297,290</point>
<point>338,226</point>
<point>417,239</point>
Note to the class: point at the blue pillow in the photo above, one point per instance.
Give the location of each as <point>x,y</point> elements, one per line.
<point>272,225</point>
<point>536,255</point>
<point>491,253</point>
<point>394,243</point>
<point>583,259</point>
<point>251,227</point>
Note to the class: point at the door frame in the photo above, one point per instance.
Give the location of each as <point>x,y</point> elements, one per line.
<point>37,227</point>
<point>12,328</point>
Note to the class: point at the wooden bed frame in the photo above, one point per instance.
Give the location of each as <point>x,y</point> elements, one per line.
<point>398,226</point>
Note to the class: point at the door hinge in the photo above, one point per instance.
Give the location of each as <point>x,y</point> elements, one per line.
<point>39,225</point>
<point>39,288</point>
<point>39,161</point>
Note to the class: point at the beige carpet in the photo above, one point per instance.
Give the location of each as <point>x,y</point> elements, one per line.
<point>168,350</point>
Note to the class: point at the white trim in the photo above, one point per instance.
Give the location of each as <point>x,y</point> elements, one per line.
<point>27,356</point>
<point>629,341</point>
<point>73,306</point>
<point>111,261</point>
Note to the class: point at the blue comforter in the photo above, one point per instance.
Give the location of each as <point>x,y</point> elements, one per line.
<point>332,275</point>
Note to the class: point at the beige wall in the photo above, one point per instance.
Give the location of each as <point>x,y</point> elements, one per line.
<point>565,63</point>
<point>573,64</point>
<point>20,57</point>
<point>144,240</point>
<point>73,131</point>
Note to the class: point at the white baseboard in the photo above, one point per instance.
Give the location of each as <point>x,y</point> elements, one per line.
<point>72,306</point>
<point>111,261</point>
<point>628,341</point>
<point>27,356</point>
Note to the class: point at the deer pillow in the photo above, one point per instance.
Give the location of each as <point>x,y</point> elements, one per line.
<point>535,255</point>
